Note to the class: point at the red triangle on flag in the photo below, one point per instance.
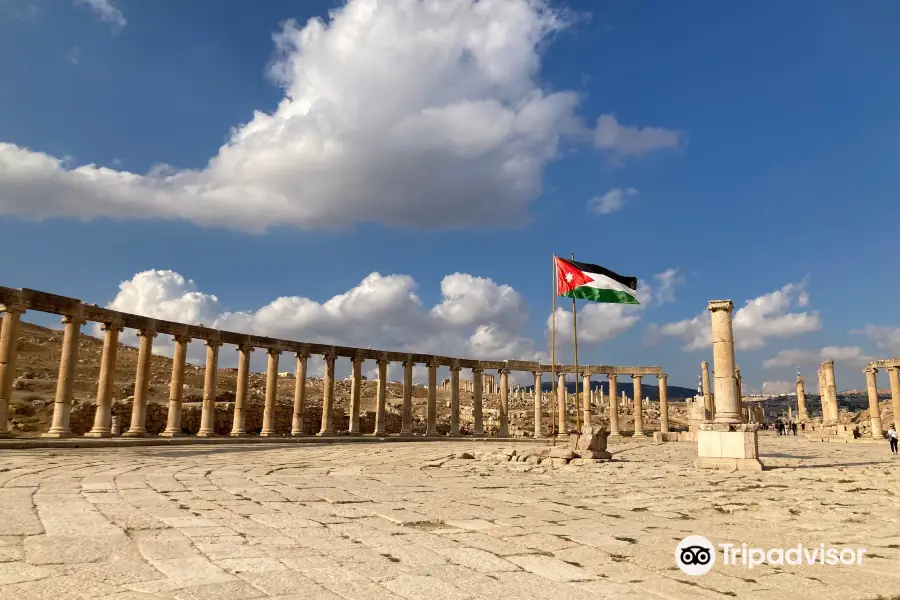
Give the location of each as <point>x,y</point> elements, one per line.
<point>569,277</point>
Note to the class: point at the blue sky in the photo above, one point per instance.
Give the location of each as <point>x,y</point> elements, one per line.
<point>782,171</point>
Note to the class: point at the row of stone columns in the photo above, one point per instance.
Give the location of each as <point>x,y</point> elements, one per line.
<point>872,389</point>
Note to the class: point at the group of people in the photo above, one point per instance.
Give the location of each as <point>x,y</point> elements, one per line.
<point>788,428</point>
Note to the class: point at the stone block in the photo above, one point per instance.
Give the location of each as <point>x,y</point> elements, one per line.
<point>728,450</point>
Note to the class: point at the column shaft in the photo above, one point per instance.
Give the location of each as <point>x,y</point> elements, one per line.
<point>831,391</point>
<point>874,409</point>
<point>561,404</point>
<point>725,403</point>
<point>586,399</point>
<point>297,424</point>
<point>355,394</point>
<point>62,406</point>
<point>9,336</point>
<point>538,408</point>
<point>638,406</point>
<point>268,426</point>
<point>802,414</point>
<point>328,397</point>
<point>613,405</point>
<point>210,377</point>
<point>103,415</point>
<point>431,422</point>
<point>454,401</point>
<point>239,423</point>
<point>138,425</point>
<point>709,406</point>
<point>381,398</point>
<point>477,389</point>
<point>738,392</point>
<point>894,376</point>
<point>406,411</point>
<point>504,403</point>
<point>176,388</point>
<point>664,403</point>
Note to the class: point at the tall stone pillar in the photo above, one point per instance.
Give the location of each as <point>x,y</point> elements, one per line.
<point>538,409</point>
<point>802,414</point>
<point>638,406</point>
<point>561,404</point>
<point>708,402</point>
<point>874,409</point>
<point>241,402</point>
<point>894,375</point>
<point>9,336</point>
<point>663,402</point>
<point>725,393</point>
<point>103,415</point>
<point>431,416</point>
<point>613,405</point>
<point>356,365</point>
<point>831,391</point>
<point>586,399</point>
<point>62,406</point>
<point>454,400</point>
<point>738,392</point>
<point>176,387</point>
<point>406,427</point>
<point>327,428</point>
<point>727,442</point>
<point>381,396</point>
<point>208,412</point>
<point>477,384</point>
<point>298,427</point>
<point>268,422</point>
<point>822,398</point>
<point>504,403</point>
<point>138,426</point>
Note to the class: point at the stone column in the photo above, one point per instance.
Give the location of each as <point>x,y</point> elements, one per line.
<point>138,426</point>
<point>62,407</point>
<point>176,387</point>
<point>454,400</point>
<point>638,406</point>
<point>431,418</point>
<point>894,375</point>
<point>561,404</point>
<point>328,397</point>
<point>586,399</point>
<point>381,396</point>
<point>725,405</point>
<point>406,411</point>
<point>297,424</point>
<point>9,336</point>
<point>613,405</point>
<point>874,409</point>
<point>708,402</point>
<point>822,400</point>
<point>477,381</point>
<point>241,402</point>
<point>504,403</point>
<point>831,391</point>
<point>103,415</point>
<point>737,389</point>
<point>268,424</point>
<point>802,415</point>
<point>210,377</point>
<point>663,402</point>
<point>538,409</point>
<point>356,365</point>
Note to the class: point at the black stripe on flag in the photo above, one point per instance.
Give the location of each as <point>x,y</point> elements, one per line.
<point>629,282</point>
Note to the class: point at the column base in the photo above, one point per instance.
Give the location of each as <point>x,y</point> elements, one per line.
<point>135,434</point>
<point>239,434</point>
<point>729,464</point>
<point>268,434</point>
<point>354,433</point>
<point>406,434</point>
<point>431,434</point>
<point>58,434</point>
<point>377,434</point>
<point>298,434</point>
<point>324,434</point>
<point>96,434</point>
<point>171,434</point>
<point>206,434</point>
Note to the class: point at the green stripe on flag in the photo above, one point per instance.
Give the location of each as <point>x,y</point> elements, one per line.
<point>587,292</point>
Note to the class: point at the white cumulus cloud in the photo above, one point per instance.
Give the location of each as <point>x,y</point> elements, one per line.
<point>795,357</point>
<point>612,201</point>
<point>106,11</point>
<point>778,387</point>
<point>885,338</point>
<point>628,140</point>
<point>760,319</point>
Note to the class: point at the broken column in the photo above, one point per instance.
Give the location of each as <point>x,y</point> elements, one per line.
<point>894,376</point>
<point>831,392</point>
<point>874,409</point>
<point>727,443</point>
<point>802,415</point>
<point>708,402</point>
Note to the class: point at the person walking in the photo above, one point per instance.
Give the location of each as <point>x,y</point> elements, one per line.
<point>892,438</point>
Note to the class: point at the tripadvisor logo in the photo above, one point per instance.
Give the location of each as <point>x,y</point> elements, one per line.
<point>696,555</point>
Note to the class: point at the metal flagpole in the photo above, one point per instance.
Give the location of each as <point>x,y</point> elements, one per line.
<point>553,409</point>
<point>575,337</point>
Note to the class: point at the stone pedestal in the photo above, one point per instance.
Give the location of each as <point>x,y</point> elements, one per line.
<point>728,447</point>
<point>590,443</point>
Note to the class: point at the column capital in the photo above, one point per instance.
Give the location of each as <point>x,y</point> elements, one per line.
<point>892,369</point>
<point>503,371</point>
<point>212,343</point>
<point>382,361</point>
<point>537,373</point>
<point>330,357</point>
<point>717,305</point>
<point>273,351</point>
<point>828,363</point>
<point>245,348</point>
<point>455,368</point>
<point>148,333</point>
<point>870,369</point>
<point>432,364</point>
<point>737,370</point>
<point>662,376</point>
<point>799,379</point>
<point>76,320</point>
<point>585,374</point>
<point>409,362</point>
<point>302,354</point>
<point>113,326</point>
<point>613,377</point>
<point>181,339</point>
<point>13,308</point>
<point>477,370</point>
<point>636,377</point>
<point>704,364</point>
<point>358,359</point>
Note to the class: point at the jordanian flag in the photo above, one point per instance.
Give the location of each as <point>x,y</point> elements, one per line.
<point>585,281</point>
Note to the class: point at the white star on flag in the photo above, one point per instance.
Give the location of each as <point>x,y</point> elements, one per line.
<point>568,277</point>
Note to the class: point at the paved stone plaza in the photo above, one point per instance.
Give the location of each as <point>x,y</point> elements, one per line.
<point>404,520</point>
